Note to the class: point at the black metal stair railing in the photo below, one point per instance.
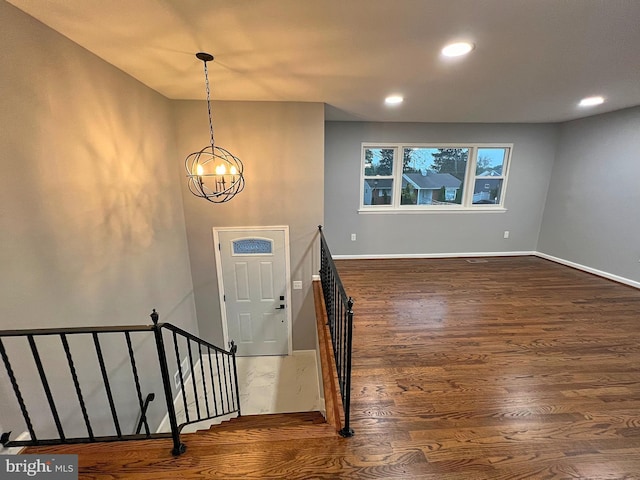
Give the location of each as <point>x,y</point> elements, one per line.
<point>215,380</point>
<point>340,320</point>
<point>218,386</point>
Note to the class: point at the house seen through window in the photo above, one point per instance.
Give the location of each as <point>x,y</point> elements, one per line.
<point>433,177</point>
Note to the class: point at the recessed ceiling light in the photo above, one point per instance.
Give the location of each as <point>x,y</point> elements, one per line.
<point>591,101</point>
<point>393,100</point>
<point>457,49</point>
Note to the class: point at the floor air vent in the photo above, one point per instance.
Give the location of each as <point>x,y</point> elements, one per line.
<point>477,260</point>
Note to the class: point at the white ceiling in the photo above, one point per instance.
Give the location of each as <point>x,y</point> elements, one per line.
<point>534,59</point>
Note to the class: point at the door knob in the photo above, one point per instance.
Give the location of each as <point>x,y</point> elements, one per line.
<point>281,307</point>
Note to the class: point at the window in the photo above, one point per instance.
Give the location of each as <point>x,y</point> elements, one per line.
<point>489,176</point>
<point>378,176</point>
<point>433,177</point>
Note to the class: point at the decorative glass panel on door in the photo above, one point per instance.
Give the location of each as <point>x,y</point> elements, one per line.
<point>252,246</point>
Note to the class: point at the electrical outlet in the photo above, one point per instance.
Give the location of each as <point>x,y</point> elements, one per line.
<point>353,237</point>
<point>506,234</point>
<point>297,284</point>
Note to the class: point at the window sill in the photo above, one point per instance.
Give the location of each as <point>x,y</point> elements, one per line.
<point>395,211</point>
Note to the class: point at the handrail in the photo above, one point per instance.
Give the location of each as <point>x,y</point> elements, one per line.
<point>219,385</point>
<point>190,336</point>
<point>340,320</point>
<point>74,330</point>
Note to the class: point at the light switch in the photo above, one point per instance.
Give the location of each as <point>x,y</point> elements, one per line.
<point>297,284</point>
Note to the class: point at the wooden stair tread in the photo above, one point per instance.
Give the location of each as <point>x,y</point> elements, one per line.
<point>272,420</point>
<point>271,427</point>
<point>299,426</point>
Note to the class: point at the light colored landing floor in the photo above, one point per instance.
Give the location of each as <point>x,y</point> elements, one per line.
<point>267,385</point>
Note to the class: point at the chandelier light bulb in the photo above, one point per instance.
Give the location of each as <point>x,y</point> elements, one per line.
<point>221,170</point>
<point>199,170</point>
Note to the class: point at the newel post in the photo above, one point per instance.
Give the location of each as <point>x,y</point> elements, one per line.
<point>347,431</point>
<point>233,350</point>
<point>178,448</point>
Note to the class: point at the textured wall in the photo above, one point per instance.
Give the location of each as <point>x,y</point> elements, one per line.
<point>281,146</point>
<point>91,221</point>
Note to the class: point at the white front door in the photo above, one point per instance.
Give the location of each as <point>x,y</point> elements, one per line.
<point>253,272</point>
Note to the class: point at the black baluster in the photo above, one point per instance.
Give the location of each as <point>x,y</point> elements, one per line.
<point>345,350</point>
<point>107,386</point>
<point>134,370</point>
<point>213,383</point>
<point>45,386</point>
<point>204,381</point>
<point>76,384</point>
<point>182,389</point>
<point>229,366</point>
<point>234,349</point>
<point>334,300</point>
<point>193,379</point>
<point>337,344</point>
<point>219,381</point>
<point>347,431</point>
<point>226,383</point>
<point>16,390</point>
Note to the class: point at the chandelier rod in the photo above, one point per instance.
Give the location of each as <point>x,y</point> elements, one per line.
<point>206,57</point>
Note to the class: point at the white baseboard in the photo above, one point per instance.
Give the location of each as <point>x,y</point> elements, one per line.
<point>434,255</point>
<point>594,271</point>
<point>584,268</point>
<point>304,352</point>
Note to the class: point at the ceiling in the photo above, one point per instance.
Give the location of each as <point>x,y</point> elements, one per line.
<point>533,61</point>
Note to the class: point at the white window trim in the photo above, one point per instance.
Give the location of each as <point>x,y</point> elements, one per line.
<point>469,182</point>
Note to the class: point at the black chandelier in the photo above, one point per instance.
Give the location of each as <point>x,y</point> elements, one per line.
<point>214,173</point>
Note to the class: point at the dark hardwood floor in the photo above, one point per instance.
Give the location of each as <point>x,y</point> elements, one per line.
<point>510,368</point>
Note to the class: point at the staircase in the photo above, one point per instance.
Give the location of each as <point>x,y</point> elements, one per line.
<point>266,428</point>
<point>291,445</point>
<point>278,445</point>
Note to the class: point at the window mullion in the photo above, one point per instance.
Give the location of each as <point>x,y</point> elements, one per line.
<point>470,177</point>
<point>397,176</point>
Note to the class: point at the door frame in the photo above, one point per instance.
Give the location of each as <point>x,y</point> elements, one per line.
<point>287,269</point>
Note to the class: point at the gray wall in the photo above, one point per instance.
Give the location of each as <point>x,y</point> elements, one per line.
<point>592,213</point>
<point>91,221</point>
<point>281,146</point>
<point>434,233</point>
